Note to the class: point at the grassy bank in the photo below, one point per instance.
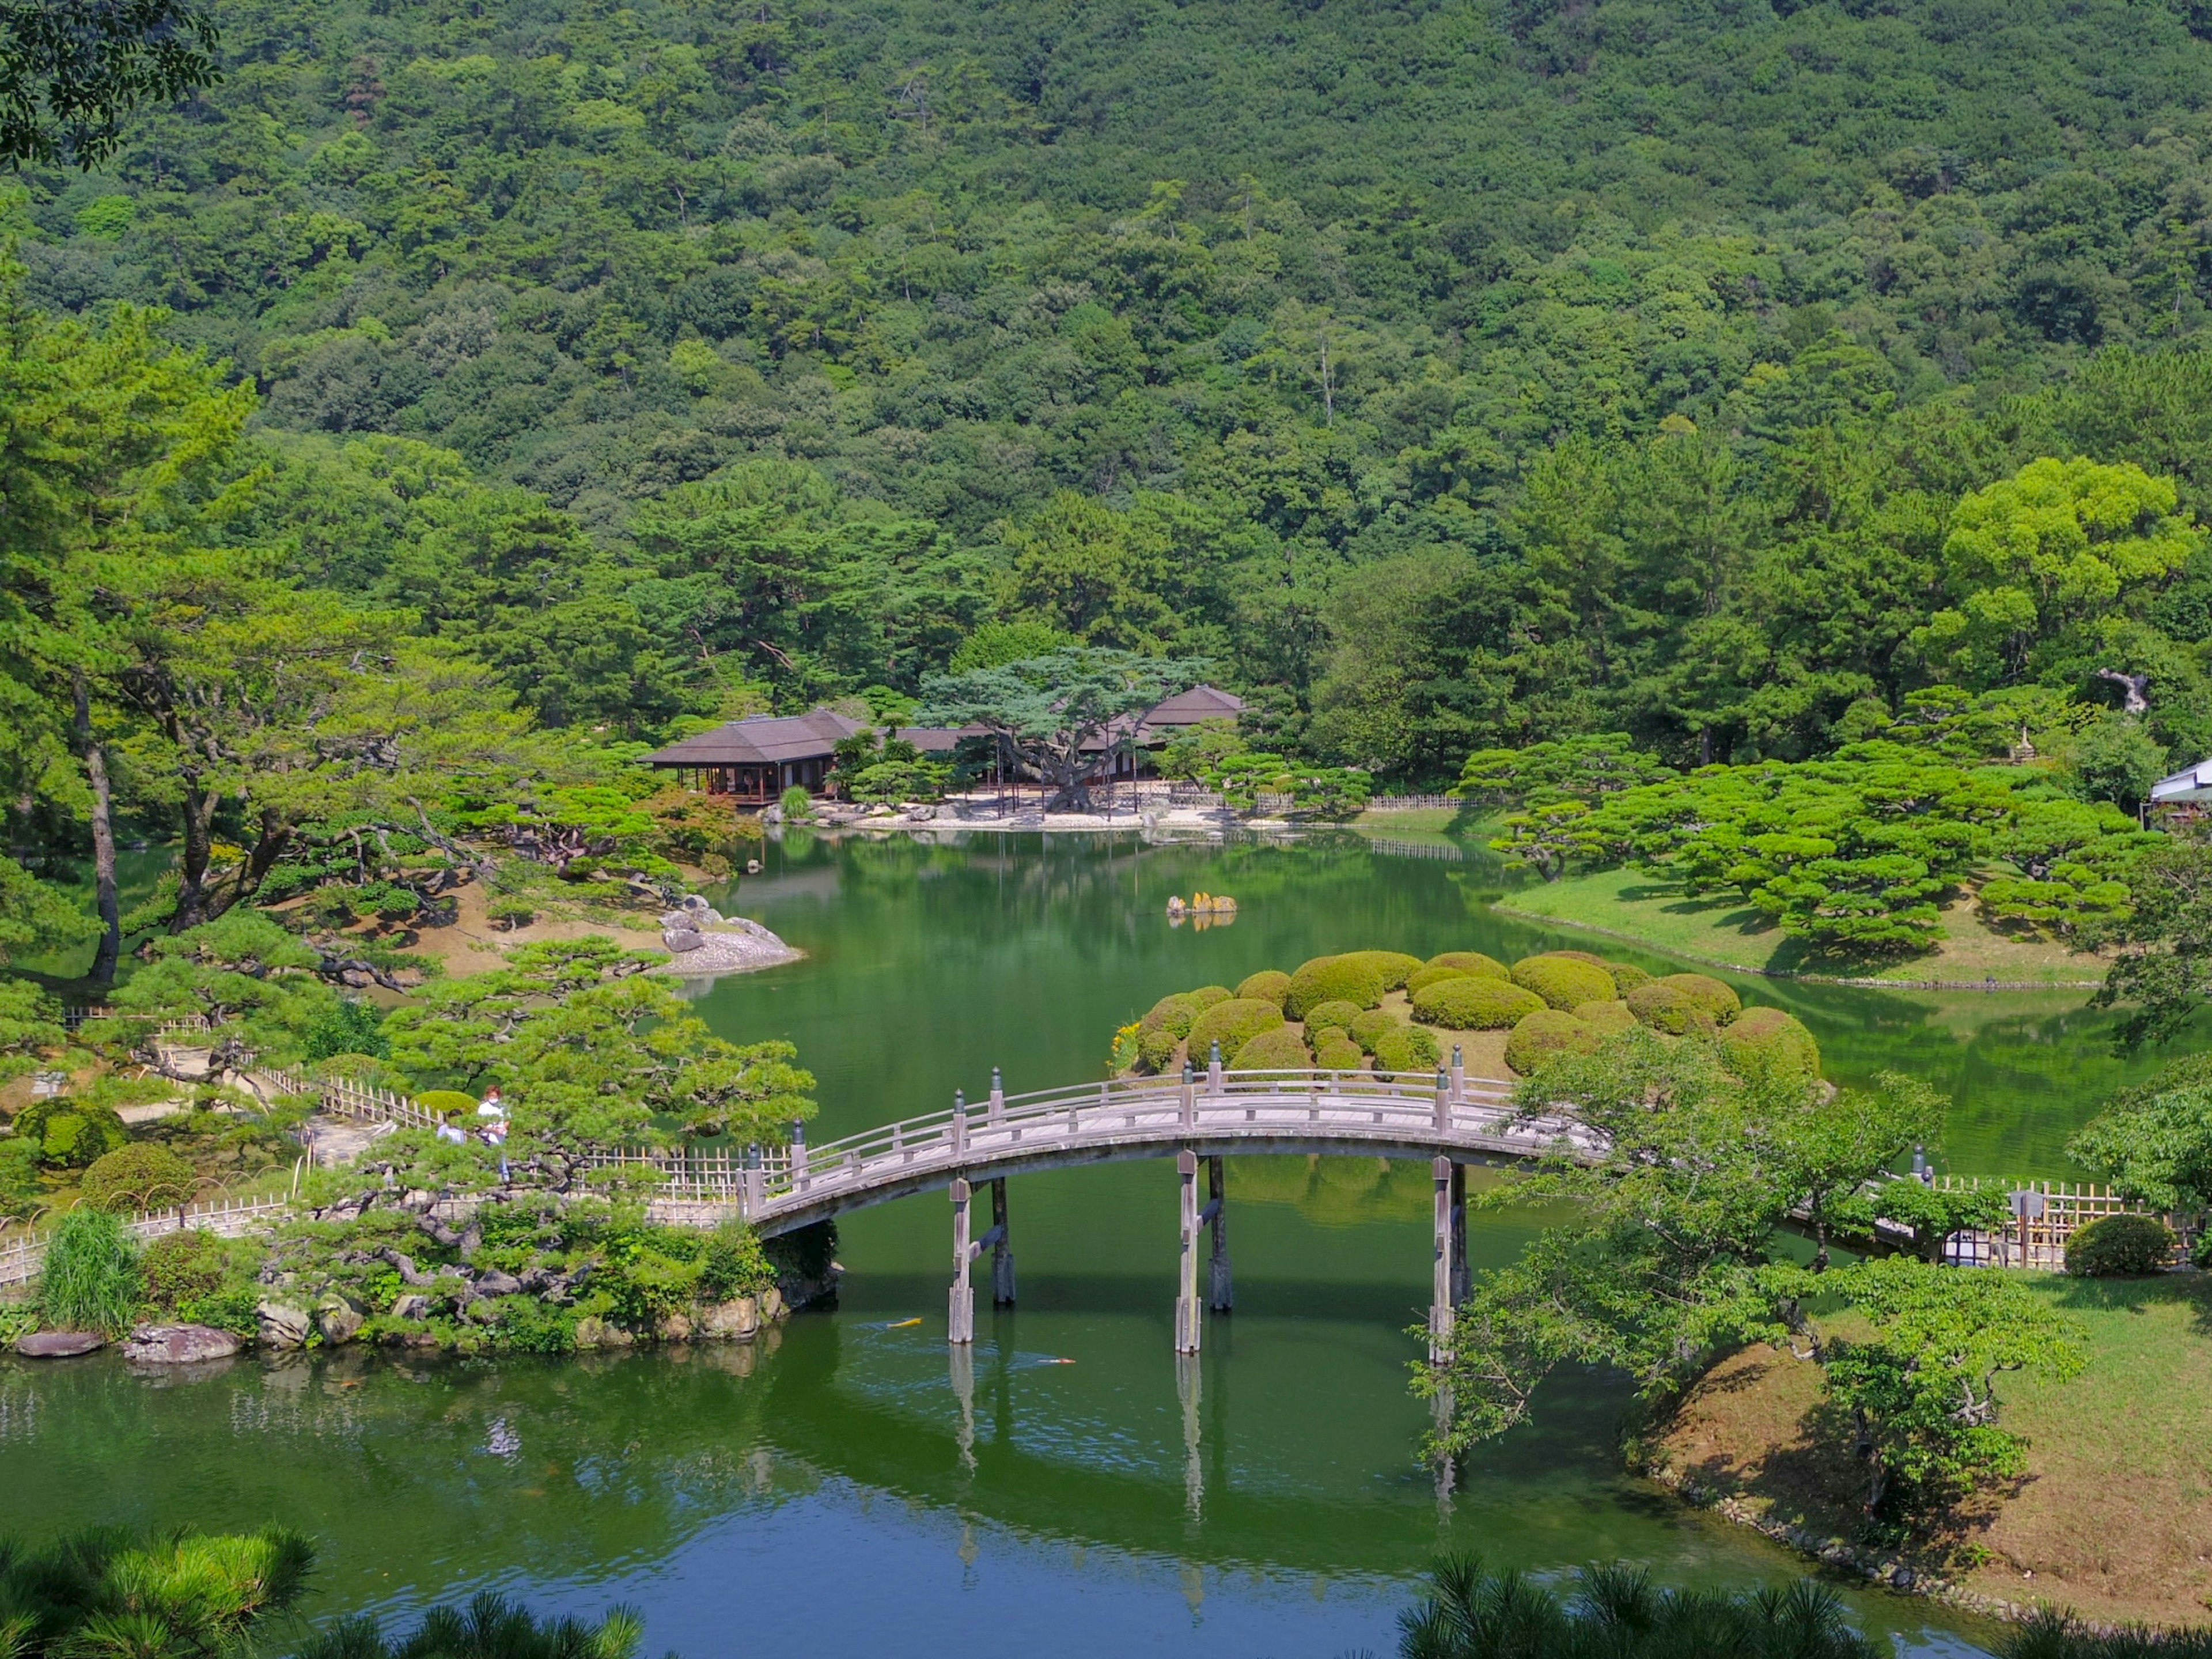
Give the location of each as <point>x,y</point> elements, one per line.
<point>1723,930</point>
<point>2113,1513</point>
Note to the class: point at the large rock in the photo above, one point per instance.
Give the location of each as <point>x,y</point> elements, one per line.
<point>179,1344</point>
<point>734,1320</point>
<point>283,1324</point>
<point>411,1307</point>
<point>674,1328</point>
<point>338,1320</point>
<point>681,940</point>
<point>593,1332</point>
<point>492,1282</point>
<point>58,1345</point>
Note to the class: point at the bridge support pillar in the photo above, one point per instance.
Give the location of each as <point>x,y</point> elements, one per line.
<point>1187,1309</point>
<point>960,1315</point>
<point>1221,1292</point>
<point>1440,1302</point>
<point>1002,1249</point>
<point>1460,1281</point>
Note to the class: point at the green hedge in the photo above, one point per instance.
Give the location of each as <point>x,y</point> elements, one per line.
<point>1543,1037</point>
<point>2119,1247</point>
<point>1564,981</point>
<point>1626,976</point>
<point>1721,1003</point>
<point>1279,1047</point>
<point>1334,979</point>
<point>1608,1018</point>
<point>1669,1008</point>
<point>1156,1050</point>
<point>1371,1028</point>
<point>1395,966</point>
<point>1766,1043</point>
<point>1407,1049</point>
<point>1474,1005</point>
<point>71,1133</point>
<point>447,1102</point>
<point>1172,1013</point>
<point>1335,1052</point>
<point>1428,977</point>
<point>1336,1016</point>
<point>1207,996</point>
<point>1268,985</point>
<point>1470,961</point>
<point>1232,1024</point>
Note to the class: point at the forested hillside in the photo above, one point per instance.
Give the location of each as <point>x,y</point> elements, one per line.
<point>1447,373</point>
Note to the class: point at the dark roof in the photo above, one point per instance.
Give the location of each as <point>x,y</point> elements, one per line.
<point>772,740</point>
<point>1201,703</point>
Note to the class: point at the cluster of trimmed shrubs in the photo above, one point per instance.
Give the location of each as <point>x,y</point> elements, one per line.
<point>1329,1014</point>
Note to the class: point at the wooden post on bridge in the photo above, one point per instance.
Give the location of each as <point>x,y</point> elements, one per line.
<point>1461,1283</point>
<point>1187,1311</point>
<point>960,1318</point>
<point>1002,1248</point>
<point>1221,1294</point>
<point>1440,1300</point>
<point>998,1106</point>
<point>1458,1075</point>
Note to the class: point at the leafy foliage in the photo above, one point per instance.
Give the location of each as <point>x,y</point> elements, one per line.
<point>90,1280</point>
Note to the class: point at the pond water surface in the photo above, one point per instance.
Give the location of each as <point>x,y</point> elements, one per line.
<point>849,1487</point>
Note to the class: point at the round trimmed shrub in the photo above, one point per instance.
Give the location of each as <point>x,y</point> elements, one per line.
<point>1721,1003</point>
<point>1371,1028</point>
<point>1405,1048</point>
<point>182,1267</point>
<point>1668,1008</point>
<point>1334,979</point>
<point>1279,1047</point>
<point>1156,1050</point>
<point>139,1176</point>
<point>1172,1013</point>
<point>1605,1018</point>
<point>1626,976</point>
<point>1335,1052</point>
<point>1428,977</point>
<point>1395,966</point>
<point>1766,1043</point>
<point>447,1102</point>
<point>71,1133</point>
<point>1268,985</point>
<point>1590,957</point>
<point>1207,996</point>
<point>1232,1024</point>
<point>1474,1005</point>
<point>1565,982</point>
<point>1543,1037</point>
<point>1332,1015</point>
<point>1470,961</point>
<point>2119,1247</point>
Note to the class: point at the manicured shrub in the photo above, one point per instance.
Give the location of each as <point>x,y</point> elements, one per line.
<point>1155,1049</point>
<point>1232,1024</point>
<point>1668,1008</point>
<point>1279,1047</point>
<point>1334,979</point>
<point>71,1133</point>
<point>1172,1013</point>
<point>1590,957</point>
<point>1428,977</point>
<point>1208,996</point>
<point>1470,961</point>
<point>1608,1018</point>
<point>1268,985</point>
<point>1543,1037</point>
<point>512,913</point>
<point>1394,966</point>
<point>797,803</point>
<point>1474,1005</point>
<point>1565,982</point>
<point>1335,1052</point>
<point>1371,1028</point>
<point>182,1267</point>
<point>2119,1247</point>
<point>1405,1048</point>
<point>448,1102</point>
<point>90,1280</point>
<point>1626,976</point>
<point>1336,1016</point>
<point>139,1176</point>
<point>1721,1003</point>
<point>1767,1042</point>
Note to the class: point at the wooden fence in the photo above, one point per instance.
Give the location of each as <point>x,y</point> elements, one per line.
<point>1414,802</point>
<point>1442,852</point>
<point>2045,1214</point>
<point>227,1218</point>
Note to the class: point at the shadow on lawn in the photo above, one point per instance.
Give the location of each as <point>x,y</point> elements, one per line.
<point>2139,1294</point>
<point>1729,912</point>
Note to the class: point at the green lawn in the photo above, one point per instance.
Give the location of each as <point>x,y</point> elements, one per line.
<point>1723,930</point>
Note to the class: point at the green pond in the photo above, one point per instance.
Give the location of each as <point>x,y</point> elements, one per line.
<point>849,1487</point>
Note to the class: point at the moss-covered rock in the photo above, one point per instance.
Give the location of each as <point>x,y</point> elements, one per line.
<point>1331,1016</point>
<point>1607,1019</point>
<point>1232,1024</point>
<point>1470,961</point>
<point>1279,1047</point>
<point>1405,1048</point>
<point>1428,977</point>
<point>1370,1027</point>
<point>1474,1004</point>
<point>1761,1043</point>
<point>1268,985</point>
<point>1721,1003</point>
<point>1335,1052</point>
<point>1334,979</point>
<point>1669,1008</point>
<point>1543,1037</point>
<point>1564,981</point>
